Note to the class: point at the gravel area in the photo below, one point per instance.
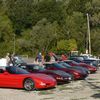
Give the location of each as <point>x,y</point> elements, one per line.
<point>88,89</point>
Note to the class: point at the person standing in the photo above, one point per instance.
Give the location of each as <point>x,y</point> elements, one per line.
<point>39,58</point>
<point>47,57</point>
<point>8,59</point>
<point>64,57</point>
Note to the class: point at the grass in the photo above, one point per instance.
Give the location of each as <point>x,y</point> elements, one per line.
<point>91,79</point>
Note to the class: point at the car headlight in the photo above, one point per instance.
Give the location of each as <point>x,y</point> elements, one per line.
<point>89,72</point>
<point>70,78</point>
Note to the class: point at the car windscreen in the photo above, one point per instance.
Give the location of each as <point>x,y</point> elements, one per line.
<point>65,64</point>
<point>16,70</point>
<point>58,65</point>
<point>74,62</point>
<point>35,67</point>
<point>18,60</point>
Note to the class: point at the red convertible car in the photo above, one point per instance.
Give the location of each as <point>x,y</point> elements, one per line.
<point>14,77</point>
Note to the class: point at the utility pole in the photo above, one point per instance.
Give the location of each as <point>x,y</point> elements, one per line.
<point>88,32</point>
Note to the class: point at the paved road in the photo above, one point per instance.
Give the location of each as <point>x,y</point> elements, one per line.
<point>88,89</point>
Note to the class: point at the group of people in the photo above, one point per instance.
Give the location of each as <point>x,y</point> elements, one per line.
<point>49,57</point>
<point>41,58</point>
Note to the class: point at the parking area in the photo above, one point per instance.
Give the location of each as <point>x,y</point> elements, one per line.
<point>88,89</point>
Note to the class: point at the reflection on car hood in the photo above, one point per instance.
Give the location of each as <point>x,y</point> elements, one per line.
<point>61,73</point>
<point>83,69</point>
<point>43,77</point>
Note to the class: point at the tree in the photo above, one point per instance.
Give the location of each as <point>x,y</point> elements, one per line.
<point>64,46</point>
<point>6,35</point>
<point>42,36</point>
<point>77,29</point>
<point>21,12</point>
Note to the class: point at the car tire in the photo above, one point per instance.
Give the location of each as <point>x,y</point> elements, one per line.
<point>29,84</point>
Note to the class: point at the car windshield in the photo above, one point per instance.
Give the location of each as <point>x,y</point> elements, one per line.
<point>65,64</point>
<point>18,60</point>
<point>74,62</point>
<point>58,65</point>
<point>35,67</point>
<point>16,70</point>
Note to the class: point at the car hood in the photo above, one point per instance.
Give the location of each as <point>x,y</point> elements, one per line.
<point>82,69</point>
<point>87,65</point>
<point>57,72</point>
<point>42,77</point>
<point>61,73</point>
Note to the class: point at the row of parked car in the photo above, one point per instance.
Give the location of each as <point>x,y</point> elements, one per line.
<point>34,76</point>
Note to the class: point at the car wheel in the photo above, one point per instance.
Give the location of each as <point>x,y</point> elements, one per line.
<point>29,84</point>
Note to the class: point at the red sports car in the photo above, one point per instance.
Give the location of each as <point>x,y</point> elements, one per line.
<point>92,69</point>
<point>15,77</point>
<point>55,66</point>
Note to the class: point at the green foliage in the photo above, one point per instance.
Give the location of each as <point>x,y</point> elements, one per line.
<point>62,45</point>
<point>40,37</point>
<point>21,12</point>
<point>95,41</point>
<point>49,25</point>
<point>66,45</point>
<point>52,10</point>
<point>77,28</point>
<point>6,34</point>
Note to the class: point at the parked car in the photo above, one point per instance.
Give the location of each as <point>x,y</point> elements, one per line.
<point>59,75</point>
<point>92,69</point>
<point>14,77</point>
<point>91,62</point>
<point>84,72</point>
<point>55,66</point>
<point>86,59</point>
<point>78,67</point>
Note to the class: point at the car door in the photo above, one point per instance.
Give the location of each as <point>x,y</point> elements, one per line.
<point>8,80</point>
<point>2,80</point>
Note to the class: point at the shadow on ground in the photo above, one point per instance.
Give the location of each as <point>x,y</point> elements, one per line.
<point>96,96</point>
<point>93,86</point>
